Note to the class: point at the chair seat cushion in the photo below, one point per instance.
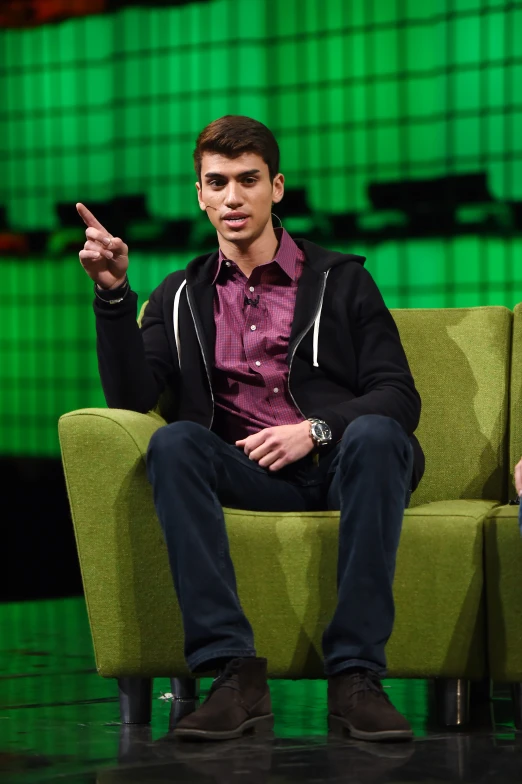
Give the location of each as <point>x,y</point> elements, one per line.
<point>286,573</point>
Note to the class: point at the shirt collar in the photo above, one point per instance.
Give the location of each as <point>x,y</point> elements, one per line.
<point>287,255</point>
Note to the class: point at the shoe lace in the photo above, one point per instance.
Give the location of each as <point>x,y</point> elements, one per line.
<point>226,678</point>
<point>364,682</point>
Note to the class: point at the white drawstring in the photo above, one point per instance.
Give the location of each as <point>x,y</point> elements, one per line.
<point>176,320</point>
<point>316,325</point>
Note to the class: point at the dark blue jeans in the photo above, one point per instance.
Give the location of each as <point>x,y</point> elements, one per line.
<point>194,473</point>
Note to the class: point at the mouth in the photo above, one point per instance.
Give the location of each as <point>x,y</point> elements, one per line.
<point>235,220</point>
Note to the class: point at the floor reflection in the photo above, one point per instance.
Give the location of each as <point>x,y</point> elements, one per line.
<point>59,721</point>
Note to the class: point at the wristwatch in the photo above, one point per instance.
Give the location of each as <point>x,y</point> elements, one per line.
<point>320,433</point>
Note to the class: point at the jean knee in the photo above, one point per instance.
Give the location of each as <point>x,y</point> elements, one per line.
<point>374,431</point>
<point>169,438</point>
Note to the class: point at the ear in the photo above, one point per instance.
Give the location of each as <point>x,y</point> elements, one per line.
<point>202,205</point>
<point>278,188</point>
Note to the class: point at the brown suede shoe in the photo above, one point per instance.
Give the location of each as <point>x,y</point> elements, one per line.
<point>358,705</point>
<point>238,702</point>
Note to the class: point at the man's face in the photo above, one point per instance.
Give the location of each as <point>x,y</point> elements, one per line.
<point>237,195</point>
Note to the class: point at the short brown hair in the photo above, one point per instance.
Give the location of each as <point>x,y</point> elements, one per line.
<point>232,135</point>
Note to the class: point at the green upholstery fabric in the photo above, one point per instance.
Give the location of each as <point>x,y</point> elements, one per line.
<point>438,588</point>
<point>286,563</point>
<point>109,494</point>
<point>460,362</point>
<point>285,566</point>
<point>504,546</point>
<point>142,311</point>
<point>504,593</point>
<point>515,429</point>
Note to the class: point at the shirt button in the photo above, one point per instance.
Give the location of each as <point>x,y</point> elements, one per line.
<point>227,263</point>
<point>276,389</point>
<point>251,288</point>
<point>253,327</point>
<point>258,363</point>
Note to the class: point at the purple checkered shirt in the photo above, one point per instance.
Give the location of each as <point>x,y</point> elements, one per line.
<point>250,377</point>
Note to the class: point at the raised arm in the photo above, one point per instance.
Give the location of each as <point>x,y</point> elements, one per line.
<point>134,365</point>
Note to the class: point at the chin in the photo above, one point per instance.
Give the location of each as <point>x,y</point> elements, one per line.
<point>244,235</point>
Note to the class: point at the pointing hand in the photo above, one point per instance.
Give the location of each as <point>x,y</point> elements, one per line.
<point>104,257</point>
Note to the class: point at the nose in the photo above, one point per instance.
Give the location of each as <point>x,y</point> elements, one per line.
<point>233,197</point>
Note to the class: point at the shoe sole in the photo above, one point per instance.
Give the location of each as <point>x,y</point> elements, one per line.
<point>340,726</point>
<point>251,726</point>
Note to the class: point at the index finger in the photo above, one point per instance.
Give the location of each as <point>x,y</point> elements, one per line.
<point>256,439</point>
<point>89,219</point>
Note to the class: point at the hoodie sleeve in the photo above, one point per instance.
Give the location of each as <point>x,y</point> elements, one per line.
<point>134,364</point>
<point>384,381</point>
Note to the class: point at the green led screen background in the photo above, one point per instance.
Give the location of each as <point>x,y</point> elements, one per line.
<point>356,93</point>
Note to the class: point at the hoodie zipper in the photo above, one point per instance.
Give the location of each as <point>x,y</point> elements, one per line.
<point>296,346</point>
<point>203,355</point>
<point>301,336</point>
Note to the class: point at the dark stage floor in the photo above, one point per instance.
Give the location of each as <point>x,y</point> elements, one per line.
<point>59,722</point>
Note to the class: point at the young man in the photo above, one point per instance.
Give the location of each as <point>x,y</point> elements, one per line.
<point>291,392</point>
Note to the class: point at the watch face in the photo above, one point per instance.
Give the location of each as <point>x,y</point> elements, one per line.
<point>322,431</point>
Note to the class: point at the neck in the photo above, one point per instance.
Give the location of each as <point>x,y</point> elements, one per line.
<point>251,254</point>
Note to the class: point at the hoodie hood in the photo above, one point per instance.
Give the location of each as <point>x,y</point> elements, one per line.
<point>199,274</point>
<point>202,268</point>
<point>322,259</point>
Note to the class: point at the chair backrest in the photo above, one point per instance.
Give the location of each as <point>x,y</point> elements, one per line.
<point>166,406</point>
<point>460,360</point>
<point>515,424</point>
<point>142,311</point>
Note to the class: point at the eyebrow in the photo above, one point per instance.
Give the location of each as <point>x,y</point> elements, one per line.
<point>242,174</point>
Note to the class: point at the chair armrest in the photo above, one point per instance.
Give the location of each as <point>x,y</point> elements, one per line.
<point>99,424</point>
<point>120,545</point>
<point>101,449</point>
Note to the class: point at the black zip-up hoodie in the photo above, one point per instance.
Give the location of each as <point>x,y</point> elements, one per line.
<point>345,354</point>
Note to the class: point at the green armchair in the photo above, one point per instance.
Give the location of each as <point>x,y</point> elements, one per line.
<point>460,359</point>
<point>504,554</point>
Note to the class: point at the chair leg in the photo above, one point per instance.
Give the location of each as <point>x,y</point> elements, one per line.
<point>135,743</point>
<point>452,701</point>
<point>185,688</point>
<point>516,691</point>
<point>481,691</point>
<point>135,700</point>
<point>481,709</point>
<point>186,696</point>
